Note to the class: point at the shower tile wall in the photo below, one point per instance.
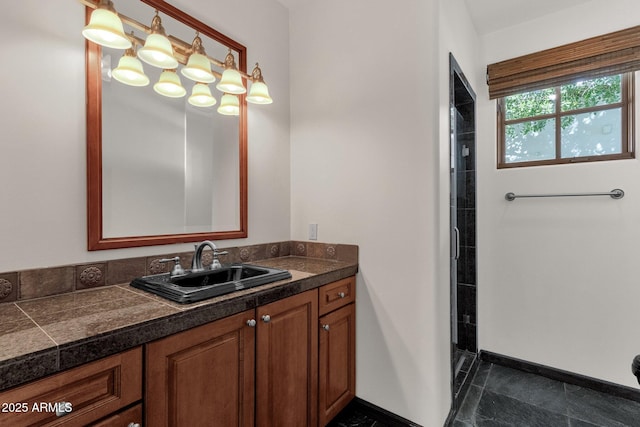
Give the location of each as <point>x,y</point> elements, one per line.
<point>466,218</point>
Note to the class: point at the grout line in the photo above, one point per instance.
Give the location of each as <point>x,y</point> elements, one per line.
<point>57,310</point>
<point>474,414</point>
<point>566,400</point>
<point>36,323</point>
<point>486,378</point>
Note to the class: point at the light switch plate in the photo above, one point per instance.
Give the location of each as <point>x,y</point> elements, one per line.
<point>313,231</point>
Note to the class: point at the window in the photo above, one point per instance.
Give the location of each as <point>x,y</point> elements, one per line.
<point>566,104</point>
<point>585,120</point>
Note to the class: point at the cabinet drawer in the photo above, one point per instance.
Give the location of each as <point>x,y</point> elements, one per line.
<point>91,391</point>
<point>337,294</point>
<point>130,417</point>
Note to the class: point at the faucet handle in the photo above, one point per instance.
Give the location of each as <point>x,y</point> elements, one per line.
<point>177,269</point>
<point>216,261</point>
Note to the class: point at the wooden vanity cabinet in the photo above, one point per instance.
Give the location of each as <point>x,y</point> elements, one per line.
<point>203,376</point>
<point>216,374</point>
<point>294,367</point>
<point>337,348</point>
<point>93,391</point>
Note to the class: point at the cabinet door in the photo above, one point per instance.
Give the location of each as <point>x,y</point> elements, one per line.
<point>203,376</point>
<point>287,362</point>
<point>337,362</point>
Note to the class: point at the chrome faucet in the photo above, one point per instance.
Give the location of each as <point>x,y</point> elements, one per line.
<point>196,262</point>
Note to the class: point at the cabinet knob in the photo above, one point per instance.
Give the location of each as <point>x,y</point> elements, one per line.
<point>63,408</point>
<point>326,327</point>
<point>266,318</point>
<point>341,294</point>
<point>133,425</point>
<point>251,323</point>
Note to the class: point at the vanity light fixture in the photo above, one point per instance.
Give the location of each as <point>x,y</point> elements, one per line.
<point>168,52</point>
<point>157,50</point>
<point>198,67</point>
<point>169,85</point>
<point>129,70</point>
<point>259,92</point>
<point>229,105</point>
<point>201,96</point>
<point>231,81</point>
<point>105,28</point>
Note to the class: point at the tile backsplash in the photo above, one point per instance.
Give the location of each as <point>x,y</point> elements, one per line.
<point>36,283</point>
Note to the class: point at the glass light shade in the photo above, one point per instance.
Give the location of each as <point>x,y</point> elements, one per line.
<point>105,29</point>
<point>229,105</point>
<point>231,82</point>
<point>157,51</point>
<point>201,96</point>
<point>130,72</point>
<point>169,85</point>
<point>259,94</point>
<point>198,69</point>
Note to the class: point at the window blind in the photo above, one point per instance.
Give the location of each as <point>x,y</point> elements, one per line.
<point>613,53</point>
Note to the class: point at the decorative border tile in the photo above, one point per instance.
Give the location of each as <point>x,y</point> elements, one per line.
<point>339,252</point>
<point>274,250</point>
<point>90,275</point>
<point>300,248</point>
<point>8,287</point>
<point>245,254</point>
<point>36,283</point>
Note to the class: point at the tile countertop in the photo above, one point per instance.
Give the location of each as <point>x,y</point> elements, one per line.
<point>43,336</point>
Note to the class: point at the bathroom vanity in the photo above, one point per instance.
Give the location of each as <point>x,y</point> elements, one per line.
<point>277,354</point>
<point>267,358</point>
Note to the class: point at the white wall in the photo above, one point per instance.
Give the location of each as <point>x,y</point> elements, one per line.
<point>369,92</point>
<point>558,277</point>
<point>42,123</point>
<point>370,167</point>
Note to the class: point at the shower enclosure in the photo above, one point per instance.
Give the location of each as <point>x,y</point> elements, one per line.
<point>463,229</point>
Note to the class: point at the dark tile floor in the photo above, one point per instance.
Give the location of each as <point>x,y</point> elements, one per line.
<point>361,414</point>
<point>354,418</point>
<point>500,396</point>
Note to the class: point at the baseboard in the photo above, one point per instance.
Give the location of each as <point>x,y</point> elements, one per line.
<point>561,375</point>
<point>379,414</point>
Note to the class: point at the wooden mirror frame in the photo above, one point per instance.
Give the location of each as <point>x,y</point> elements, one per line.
<point>96,239</point>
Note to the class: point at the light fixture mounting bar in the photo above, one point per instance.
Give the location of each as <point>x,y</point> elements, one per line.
<point>181,47</point>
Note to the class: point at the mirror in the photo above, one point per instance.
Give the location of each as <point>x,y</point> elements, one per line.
<point>160,170</point>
